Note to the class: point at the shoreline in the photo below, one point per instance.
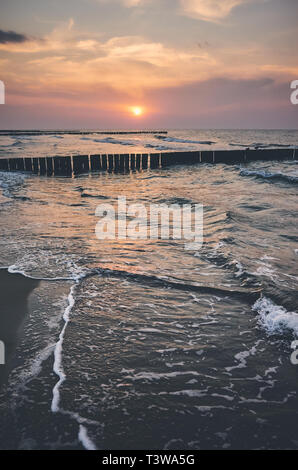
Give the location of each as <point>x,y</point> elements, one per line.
<point>14,294</point>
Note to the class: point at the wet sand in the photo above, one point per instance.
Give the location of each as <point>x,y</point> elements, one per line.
<point>14,292</point>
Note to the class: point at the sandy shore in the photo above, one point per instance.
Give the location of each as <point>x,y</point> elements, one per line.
<point>14,293</point>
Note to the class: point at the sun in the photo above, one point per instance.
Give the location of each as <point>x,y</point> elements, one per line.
<point>137,111</point>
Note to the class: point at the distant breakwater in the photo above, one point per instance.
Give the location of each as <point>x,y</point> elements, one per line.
<point>124,163</point>
<point>38,132</point>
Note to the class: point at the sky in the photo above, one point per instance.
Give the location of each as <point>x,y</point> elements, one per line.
<point>185,63</point>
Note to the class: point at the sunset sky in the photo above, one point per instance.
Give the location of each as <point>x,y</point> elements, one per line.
<point>183,63</point>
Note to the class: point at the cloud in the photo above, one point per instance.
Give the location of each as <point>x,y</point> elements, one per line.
<point>131,64</point>
<point>209,10</point>
<point>206,10</point>
<point>82,62</point>
<point>7,37</point>
<point>63,37</point>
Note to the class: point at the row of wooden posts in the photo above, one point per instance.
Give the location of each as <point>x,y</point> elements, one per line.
<point>122,163</point>
<point>38,133</point>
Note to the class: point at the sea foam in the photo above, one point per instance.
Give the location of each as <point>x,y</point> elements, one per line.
<point>274,318</point>
<point>270,176</point>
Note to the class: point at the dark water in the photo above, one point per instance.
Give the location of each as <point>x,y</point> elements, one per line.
<point>159,347</point>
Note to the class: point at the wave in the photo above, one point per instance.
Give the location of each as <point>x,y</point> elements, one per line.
<point>97,196</point>
<point>245,294</point>
<point>274,318</point>
<point>111,140</point>
<point>258,145</point>
<point>184,141</point>
<point>16,143</point>
<point>267,175</point>
<point>159,147</point>
<point>48,265</point>
<point>11,181</point>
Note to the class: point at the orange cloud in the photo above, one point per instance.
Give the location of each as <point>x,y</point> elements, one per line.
<point>209,10</point>
<point>72,64</point>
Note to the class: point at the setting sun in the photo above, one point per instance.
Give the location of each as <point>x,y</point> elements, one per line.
<point>137,110</point>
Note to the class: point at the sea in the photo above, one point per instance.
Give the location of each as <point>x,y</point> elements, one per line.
<point>142,344</point>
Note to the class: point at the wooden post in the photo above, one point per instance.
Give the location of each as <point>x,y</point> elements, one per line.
<point>144,161</point>
<point>121,164</point>
<point>62,166</point>
<point>154,160</point>
<point>42,166</point>
<point>95,162</point>
<point>80,164</point>
<point>110,163</point>
<point>28,164</point>
<point>104,163</point>
<point>165,159</point>
<point>132,162</point>
<point>116,163</point>
<point>50,166</point>
<point>126,163</point>
<point>229,156</point>
<point>207,156</point>
<point>138,161</point>
<point>16,164</point>
<point>4,164</point>
<point>35,164</point>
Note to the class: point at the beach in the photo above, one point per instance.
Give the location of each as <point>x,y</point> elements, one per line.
<point>135,344</point>
<point>14,293</point>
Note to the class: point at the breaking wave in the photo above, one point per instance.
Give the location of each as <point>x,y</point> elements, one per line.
<point>270,176</point>
<point>274,318</point>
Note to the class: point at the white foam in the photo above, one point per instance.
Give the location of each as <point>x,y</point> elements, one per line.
<point>293,178</point>
<point>59,371</point>
<point>189,393</point>
<point>10,180</point>
<point>58,366</point>
<point>22,375</point>
<point>266,270</point>
<point>274,318</point>
<point>13,269</point>
<point>42,261</point>
<point>84,438</point>
<point>157,376</point>
<point>240,269</point>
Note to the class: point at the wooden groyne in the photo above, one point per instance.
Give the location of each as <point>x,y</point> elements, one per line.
<point>123,163</point>
<point>38,132</point>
